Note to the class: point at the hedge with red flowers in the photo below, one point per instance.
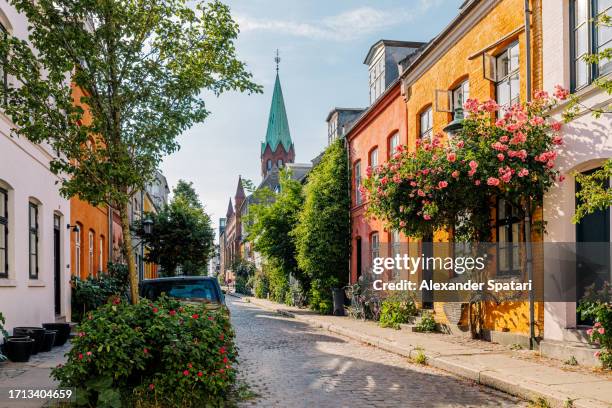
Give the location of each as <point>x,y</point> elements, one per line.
<point>165,352</point>
<point>509,155</point>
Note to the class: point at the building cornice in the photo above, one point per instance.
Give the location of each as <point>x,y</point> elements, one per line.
<point>447,39</point>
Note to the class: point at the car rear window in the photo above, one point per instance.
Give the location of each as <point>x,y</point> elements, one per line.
<point>194,290</point>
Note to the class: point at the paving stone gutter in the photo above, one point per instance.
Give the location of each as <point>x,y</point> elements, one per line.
<point>494,367</point>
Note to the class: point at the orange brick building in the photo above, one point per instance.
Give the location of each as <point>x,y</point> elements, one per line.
<point>481,54</point>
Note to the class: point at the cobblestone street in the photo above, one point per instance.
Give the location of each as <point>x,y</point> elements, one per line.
<point>290,364</point>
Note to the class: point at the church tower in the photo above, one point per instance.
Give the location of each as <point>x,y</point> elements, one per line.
<point>277,150</point>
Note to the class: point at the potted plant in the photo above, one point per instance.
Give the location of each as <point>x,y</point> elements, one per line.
<point>36,333</point>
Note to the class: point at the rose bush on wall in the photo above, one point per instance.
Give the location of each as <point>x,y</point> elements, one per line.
<point>508,154</point>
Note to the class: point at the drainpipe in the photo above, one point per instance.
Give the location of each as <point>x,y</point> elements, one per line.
<point>528,246</point>
<point>110,234</point>
<point>349,168</point>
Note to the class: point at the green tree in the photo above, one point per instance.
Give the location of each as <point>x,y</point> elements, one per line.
<point>182,236</point>
<point>270,222</point>
<point>112,84</point>
<point>323,230</point>
<point>185,189</point>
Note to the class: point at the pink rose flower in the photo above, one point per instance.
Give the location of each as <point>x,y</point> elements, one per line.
<point>589,332</point>
<point>460,144</point>
<point>500,157</point>
<point>523,172</point>
<point>442,184</point>
<point>473,164</point>
<point>560,92</point>
<point>556,126</point>
<point>455,174</point>
<point>426,217</point>
<point>151,387</point>
<point>402,224</point>
<point>506,177</point>
<point>558,140</point>
<point>421,193</point>
<point>601,330</point>
<point>597,324</point>
<point>186,372</point>
<point>536,121</point>
<point>597,354</point>
<point>477,182</point>
<point>490,106</point>
<point>493,181</point>
<point>451,157</point>
<point>541,94</point>
<point>471,105</point>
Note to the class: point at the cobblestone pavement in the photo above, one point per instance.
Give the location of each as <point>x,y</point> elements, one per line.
<point>290,364</point>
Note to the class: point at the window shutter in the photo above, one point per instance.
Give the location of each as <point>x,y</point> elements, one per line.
<point>443,100</point>
<point>489,67</point>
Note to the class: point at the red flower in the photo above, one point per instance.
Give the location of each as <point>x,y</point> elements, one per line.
<point>155,310</point>
<point>186,372</point>
<point>172,312</point>
<point>222,350</point>
<point>200,374</point>
<point>442,184</point>
<point>225,360</point>
<point>190,365</point>
<point>89,353</point>
<point>556,126</point>
<point>221,336</point>
<point>151,387</point>
<point>146,350</point>
<point>80,356</point>
<point>195,316</point>
<point>500,157</point>
<point>455,174</point>
<point>451,157</point>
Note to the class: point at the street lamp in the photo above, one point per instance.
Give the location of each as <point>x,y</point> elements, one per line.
<point>147,225</point>
<point>457,123</point>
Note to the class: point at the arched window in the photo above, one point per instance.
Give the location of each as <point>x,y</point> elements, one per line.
<point>269,164</point>
<point>90,256</point>
<point>101,254</point>
<point>4,233</point>
<point>77,249</point>
<point>33,241</point>
<point>279,163</point>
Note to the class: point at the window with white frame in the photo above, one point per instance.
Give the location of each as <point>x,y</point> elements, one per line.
<point>459,95</point>
<point>393,143</point>
<point>33,241</point>
<point>395,250</point>
<point>374,157</point>
<point>508,238</point>
<point>332,129</point>
<point>426,124</point>
<point>507,89</point>
<point>101,253</point>
<point>374,247</point>
<point>377,78</point>
<point>279,163</point>
<point>4,267</point>
<point>77,249</point>
<point>589,36</point>
<point>357,170</point>
<point>90,257</point>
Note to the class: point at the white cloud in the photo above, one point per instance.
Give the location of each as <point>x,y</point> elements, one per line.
<point>348,25</point>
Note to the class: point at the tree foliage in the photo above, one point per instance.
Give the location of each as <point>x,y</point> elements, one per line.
<point>113,83</point>
<point>270,221</point>
<point>182,234</point>
<point>323,231</point>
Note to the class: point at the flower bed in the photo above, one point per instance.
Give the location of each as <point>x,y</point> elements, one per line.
<point>163,354</point>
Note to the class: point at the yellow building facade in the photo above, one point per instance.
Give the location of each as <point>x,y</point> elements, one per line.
<point>481,54</point>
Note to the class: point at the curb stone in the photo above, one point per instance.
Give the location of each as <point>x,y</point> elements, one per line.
<point>487,378</point>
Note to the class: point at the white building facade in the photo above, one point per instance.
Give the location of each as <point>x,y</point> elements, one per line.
<point>569,33</point>
<point>34,239</point>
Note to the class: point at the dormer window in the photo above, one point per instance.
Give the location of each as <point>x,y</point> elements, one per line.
<point>377,78</point>
<point>332,129</point>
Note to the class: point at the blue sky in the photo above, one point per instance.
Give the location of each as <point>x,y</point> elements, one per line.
<point>322,45</point>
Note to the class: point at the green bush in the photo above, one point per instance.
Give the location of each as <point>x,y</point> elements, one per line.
<point>162,354</point>
<point>279,284</point>
<point>427,323</point>
<point>91,293</point>
<point>261,285</point>
<point>396,310</point>
<point>320,298</point>
<point>243,285</point>
<point>4,333</point>
<point>597,306</point>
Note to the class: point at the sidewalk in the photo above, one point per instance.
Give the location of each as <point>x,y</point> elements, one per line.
<point>31,375</point>
<point>519,373</point>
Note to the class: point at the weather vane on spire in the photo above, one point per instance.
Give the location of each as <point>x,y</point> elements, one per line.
<point>277,60</point>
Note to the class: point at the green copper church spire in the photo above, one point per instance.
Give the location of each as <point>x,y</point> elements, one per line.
<point>278,126</point>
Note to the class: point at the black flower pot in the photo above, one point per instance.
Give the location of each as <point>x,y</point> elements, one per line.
<point>19,350</point>
<point>36,333</point>
<point>63,332</point>
<point>48,340</point>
